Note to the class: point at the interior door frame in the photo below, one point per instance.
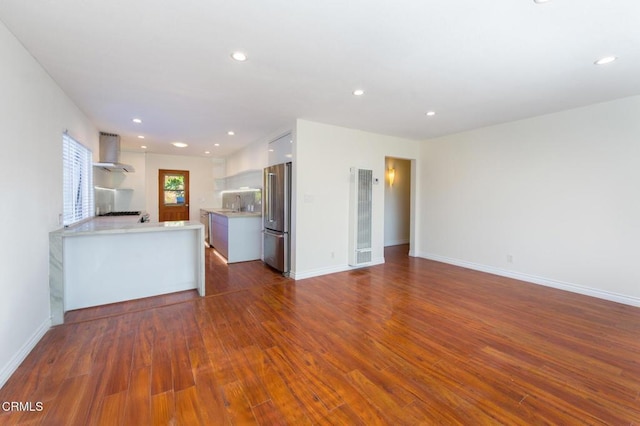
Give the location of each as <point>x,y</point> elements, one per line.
<point>172,212</point>
<point>413,249</point>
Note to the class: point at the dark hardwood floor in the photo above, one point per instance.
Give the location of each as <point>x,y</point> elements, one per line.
<point>408,342</point>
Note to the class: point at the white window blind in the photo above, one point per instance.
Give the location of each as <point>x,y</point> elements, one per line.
<point>77,166</point>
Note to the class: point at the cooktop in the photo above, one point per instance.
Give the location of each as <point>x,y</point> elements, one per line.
<point>121,214</point>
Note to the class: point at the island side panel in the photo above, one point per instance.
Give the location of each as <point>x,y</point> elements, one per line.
<point>245,238</point>
<point>108,268</point>
<point>56,282</point>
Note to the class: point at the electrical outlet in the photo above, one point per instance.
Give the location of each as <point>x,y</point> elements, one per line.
<point>509,258</point>
<point>333,255</point>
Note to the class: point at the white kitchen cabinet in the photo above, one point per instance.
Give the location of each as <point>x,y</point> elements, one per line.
<point>237,236</point>
<point>220,233</point>
<point>281,150</point>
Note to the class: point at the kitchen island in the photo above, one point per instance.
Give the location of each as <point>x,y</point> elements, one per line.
<point>236,235</point>
<point>108,260</point>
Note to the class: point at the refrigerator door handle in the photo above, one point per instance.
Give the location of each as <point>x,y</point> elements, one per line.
<point>271,193</point>
<point>287,196</point>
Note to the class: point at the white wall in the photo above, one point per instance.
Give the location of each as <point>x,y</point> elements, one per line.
<point>34,113</point>
<point>202,175</point>
<point>131,200</point>
<point>397,202</point>
<point>323,156</point>
<point>559,193</point>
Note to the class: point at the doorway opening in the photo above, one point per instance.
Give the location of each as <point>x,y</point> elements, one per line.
<point>398,223</point>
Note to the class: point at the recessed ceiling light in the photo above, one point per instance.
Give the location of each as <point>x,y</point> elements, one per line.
<point>271,150</point>
<point>431,113</point>
<point>216,144</point>
<point>358,92</point>
<point>137,120</point>
<point>239,56</point>
<point>207,152</point>
<point>143,146</point>
<point>231,133</point>
<point>605,60</point>
<point>540,1</point>
<point>140,137</point>
<point>179,144</point>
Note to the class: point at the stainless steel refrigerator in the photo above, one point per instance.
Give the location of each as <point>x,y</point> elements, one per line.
<point>277,217</point>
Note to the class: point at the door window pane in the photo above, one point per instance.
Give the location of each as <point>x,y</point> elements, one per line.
<point>173,189</point>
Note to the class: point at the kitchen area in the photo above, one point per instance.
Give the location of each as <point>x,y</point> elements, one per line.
<point>235,229</point>
<point>253,220</point>
<point>126,253</point>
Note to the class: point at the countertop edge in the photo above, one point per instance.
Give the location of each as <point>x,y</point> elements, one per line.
<point>233,215</point>
<point>92,228</point>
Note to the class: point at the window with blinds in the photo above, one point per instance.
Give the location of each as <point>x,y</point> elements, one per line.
<point>77,166</point>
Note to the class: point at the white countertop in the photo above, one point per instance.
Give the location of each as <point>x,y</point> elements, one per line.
<point>232,214</point>
<point>123,225</point>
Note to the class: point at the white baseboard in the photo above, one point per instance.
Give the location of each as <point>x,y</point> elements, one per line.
<point>561,285</point>
<point>20,356</point>
<point>332,270</point>
<point>396,242</point>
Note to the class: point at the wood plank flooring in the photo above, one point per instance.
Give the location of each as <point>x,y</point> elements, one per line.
<point>408,342</point>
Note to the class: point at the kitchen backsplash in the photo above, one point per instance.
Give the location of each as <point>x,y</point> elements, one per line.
<point>109,199</point>
<point>246,200</point>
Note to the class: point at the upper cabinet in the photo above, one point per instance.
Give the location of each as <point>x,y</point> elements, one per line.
<point>281,150</point>
<point>246,179</point>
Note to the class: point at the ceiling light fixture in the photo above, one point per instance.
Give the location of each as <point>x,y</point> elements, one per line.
<point>216,144</point>
<point>231,133</point>
<point>179,144</point>
<point>605,60</point>
<point>143,146</point>
<point>239,56</point>
<point>137,120</point>
<point>207,152</point>
<point>140,137</point>
<point>540,1</point>
<point>358,92</point>
<point>431,113</point>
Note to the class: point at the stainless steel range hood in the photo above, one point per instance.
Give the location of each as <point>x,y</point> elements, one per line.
<point>110,154</point>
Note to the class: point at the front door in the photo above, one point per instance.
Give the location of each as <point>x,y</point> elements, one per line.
<point>173,195</point>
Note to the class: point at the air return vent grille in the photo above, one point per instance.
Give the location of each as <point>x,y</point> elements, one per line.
<point>360,221</point>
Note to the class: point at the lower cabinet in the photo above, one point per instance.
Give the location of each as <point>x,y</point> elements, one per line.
<point>220,233</point>
<point>238,238</point>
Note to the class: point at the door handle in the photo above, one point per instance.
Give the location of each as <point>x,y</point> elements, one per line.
<point>186,205</point>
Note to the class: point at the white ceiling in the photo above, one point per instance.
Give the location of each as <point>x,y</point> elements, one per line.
<point>475,63</point>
